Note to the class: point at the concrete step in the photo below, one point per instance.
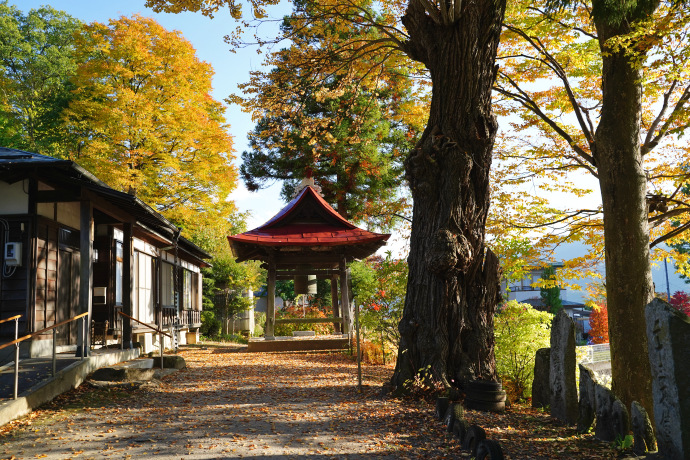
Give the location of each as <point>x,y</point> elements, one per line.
<point>141,369</point>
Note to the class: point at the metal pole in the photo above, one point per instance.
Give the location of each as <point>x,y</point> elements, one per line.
<point>16,357</point>
<point>54,351</point>
<point>668,289</point>
<point>84,341</point>
<point>359,355</point>
<point>162,346</point>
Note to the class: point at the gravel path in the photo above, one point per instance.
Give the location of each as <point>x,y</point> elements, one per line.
<point>230,404</point>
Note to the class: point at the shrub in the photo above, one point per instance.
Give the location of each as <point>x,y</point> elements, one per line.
<point>259,323</point>
<point>520,331</point>
<point>370,351</point>
<point>210,326</point>
<point>681,301</point>
<point>297,311</point>
<point>379,285</point>
<point>235,338</point>
<point>599,324</point>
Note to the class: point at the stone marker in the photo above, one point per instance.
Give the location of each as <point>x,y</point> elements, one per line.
<point>612,416</point>
<point>170,362</point>
<point>643,433</point>
<point>668,342</point>
<point>586,405</point>
<point>562,369</point>
<point>541,395</point>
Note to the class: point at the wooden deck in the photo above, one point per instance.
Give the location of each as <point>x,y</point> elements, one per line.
<point>282,344</point>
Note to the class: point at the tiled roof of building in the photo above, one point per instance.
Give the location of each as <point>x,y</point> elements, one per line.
<point>307,221</point>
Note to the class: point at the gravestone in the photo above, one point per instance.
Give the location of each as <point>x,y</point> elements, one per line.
<point>562,386</point>
<point>541,394</point>
<point>643,433</point>
<point>612,417</point>
<point>586,406</point>
<point>668,342</point>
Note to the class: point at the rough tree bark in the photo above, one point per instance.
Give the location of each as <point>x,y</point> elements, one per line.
<point>453,285</point>
<point>619,160</point>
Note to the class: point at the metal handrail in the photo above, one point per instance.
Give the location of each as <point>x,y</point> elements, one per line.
<point>54,327</point>
<point>61,323</point>
<point>159,331</point>
<point>10,319</point>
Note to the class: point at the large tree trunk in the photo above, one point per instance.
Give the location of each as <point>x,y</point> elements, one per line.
<point>453,285</point>
<point>629,285</point>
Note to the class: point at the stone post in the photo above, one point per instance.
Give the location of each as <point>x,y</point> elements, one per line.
<point>668,342</point>
<point>562,369</point>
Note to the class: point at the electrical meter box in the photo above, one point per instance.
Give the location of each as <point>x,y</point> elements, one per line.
<point>13,254</point>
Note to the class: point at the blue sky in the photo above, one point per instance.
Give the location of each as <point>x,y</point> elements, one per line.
<point>230,69</point>
<point>206,35</point>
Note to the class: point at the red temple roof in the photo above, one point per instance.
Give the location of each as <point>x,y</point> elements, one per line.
<point>307,221</point>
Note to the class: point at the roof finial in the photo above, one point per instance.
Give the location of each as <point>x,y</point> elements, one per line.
<point>307,181</point>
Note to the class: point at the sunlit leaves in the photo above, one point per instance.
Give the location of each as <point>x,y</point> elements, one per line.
<point>147,122</point>
<point>520,331</point>
<point>549,88</point>
<point>37,60</point>
<point>348,122</point>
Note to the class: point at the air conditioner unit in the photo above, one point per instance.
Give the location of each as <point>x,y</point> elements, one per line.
<point>13,254</point>
<point>99,295</point>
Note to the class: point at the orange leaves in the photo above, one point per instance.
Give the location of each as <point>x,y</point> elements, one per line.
<point>599,323</point>
<point>147,121</point>
<point>230,404</point>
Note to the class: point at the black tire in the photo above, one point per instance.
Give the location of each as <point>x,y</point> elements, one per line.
<point>474,435</point>
<point>489,396</point>
<point>449,419</point>
<point>485,406</point>
<point>489,450</point>
<point>483,385</point>
<point>460,427</point>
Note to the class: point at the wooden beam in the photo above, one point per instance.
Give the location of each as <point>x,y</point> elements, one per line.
<point>127,283</point>
<point>55,196</point>
<point>306,271</point>
<point>309,320</point>
<point>344,296</point>
<point>271,301</point>
<point>334,301</point>
<point>108,208</point>
<point>85,275</point>
<point>290,277</point>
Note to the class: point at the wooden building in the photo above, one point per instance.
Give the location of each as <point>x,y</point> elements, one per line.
<point>71,244</point>
<point>308,238</point>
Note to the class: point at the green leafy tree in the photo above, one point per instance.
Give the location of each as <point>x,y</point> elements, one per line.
<point>349,135</point>
<point>37,61</point>
<point>379,285</point>
<point>520,331</point>
<point>225,277</point>
<point>551,292</point>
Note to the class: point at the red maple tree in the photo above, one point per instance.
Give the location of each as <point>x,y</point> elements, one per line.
<point>681,301</point>
<point>599,323</point>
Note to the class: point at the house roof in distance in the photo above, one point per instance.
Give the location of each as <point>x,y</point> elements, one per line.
<point>306,228</point>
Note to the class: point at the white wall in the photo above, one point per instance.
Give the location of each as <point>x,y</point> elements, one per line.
<point>567,251</point>
<point>14,198</point>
